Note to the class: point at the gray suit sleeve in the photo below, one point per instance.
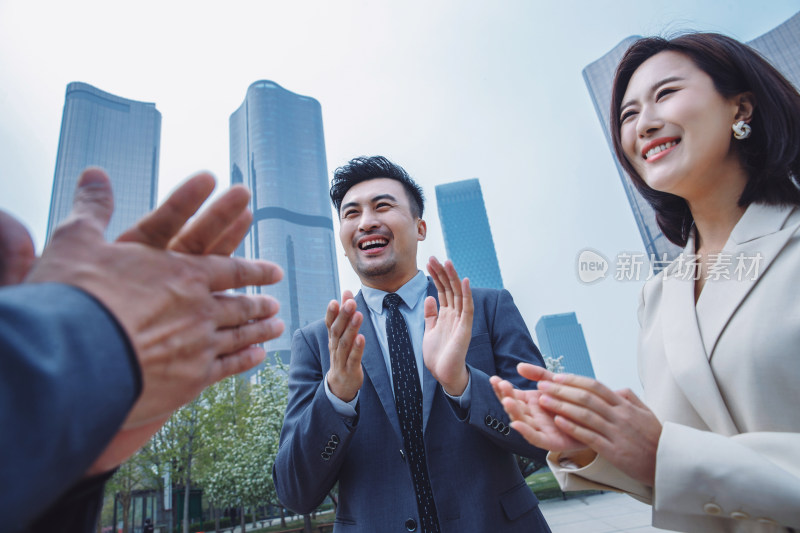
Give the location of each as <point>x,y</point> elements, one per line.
<point>314,437</point>
<point>510,343</point>
<point>68,377</point>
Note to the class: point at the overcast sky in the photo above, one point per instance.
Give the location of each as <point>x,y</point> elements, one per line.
<point>448,89</point>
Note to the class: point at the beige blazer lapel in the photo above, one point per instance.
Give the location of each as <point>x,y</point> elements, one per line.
<point>755,242</point>
<point>684,350</point>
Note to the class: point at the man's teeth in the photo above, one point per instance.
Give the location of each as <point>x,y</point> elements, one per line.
<point>660,148</point>
<point>373,243</point>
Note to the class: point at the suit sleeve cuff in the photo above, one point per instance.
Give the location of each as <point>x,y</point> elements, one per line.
<point>464,400</point>
<point>346,410</point>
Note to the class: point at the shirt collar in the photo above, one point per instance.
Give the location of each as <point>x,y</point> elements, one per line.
<point>411,293</point>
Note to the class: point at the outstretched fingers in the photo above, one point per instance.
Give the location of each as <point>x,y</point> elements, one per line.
<point>92,206</point>
<point>223,273</point>
<point>210,229</point>
<point>236,309</point>
<point>227,243</point>
<point>582,387</point>
<point>346,347</point>
<point>236,363</point>
<point>233,339</point>
<point>454,287</point>
<point>439,277</point>
<point>534,372</point>
<point>157,228</point>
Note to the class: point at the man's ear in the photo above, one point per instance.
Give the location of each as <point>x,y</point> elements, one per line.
<point>422,229</point>
<point>745,103</point>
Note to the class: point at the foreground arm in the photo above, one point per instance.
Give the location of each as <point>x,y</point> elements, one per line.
<point>65,390</point>
<point>170,324</point>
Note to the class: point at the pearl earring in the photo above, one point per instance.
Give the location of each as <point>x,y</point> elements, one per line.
<point>741,130</point>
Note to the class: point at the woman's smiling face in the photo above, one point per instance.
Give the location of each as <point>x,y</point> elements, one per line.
<point>675,127</point>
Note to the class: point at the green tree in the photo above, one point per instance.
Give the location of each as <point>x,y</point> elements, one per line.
<point>244,450</point>
<point>134,474</point>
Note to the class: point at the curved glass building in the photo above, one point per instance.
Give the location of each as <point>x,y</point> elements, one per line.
<point>278,151</point>
<point>467,235</point>
<point>122,136</point>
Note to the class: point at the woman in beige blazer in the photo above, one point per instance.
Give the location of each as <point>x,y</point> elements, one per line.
<point>710,134</point>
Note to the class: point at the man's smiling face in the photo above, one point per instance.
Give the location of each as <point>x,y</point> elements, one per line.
<point>379,233</point>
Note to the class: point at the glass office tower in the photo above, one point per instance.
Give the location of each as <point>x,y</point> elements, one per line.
<point>467,235</point>
<point>781,46</point>
<point>278,151</point>
<point>562,335</point>
<point>120,135</point>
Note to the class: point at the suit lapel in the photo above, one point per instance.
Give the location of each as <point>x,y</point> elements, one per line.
<point>690,337</point>
<point>375,366</point>
<point>684,350</point>
<point>429,384</point>
<point>755,242</point>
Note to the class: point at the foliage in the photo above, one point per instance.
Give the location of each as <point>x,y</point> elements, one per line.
<point>225,442</point>
<point>134,474</point>
<point>243,450</point>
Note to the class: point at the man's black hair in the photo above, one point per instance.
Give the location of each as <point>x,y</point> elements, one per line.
<point>366,168</point>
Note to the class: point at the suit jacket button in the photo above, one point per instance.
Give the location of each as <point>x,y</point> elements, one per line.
<point>488,420</point>
<point>506,430</point>
<point>411,524</point>
<point>325,455</point>
<point>739,515</point>
<point>712,509</point>
<point>501,427</point>
<point>335,438</point>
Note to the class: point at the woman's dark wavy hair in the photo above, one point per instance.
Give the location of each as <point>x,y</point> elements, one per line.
<point>770,156</point>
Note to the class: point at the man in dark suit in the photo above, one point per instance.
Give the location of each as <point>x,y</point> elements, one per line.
<point>414,445</point>
<point>100,342</point>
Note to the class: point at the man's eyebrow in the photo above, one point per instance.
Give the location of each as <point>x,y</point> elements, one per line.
<point>377,198</point>
<point>653,89</point>
<point>383,197</point>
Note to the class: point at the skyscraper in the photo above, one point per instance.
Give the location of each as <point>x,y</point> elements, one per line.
<point>781,46</point>
<point>467,235</point>
<point>278,151</point>
<point>120,135</point>
<point>562,335</point>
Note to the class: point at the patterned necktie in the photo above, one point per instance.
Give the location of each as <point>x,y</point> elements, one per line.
<point>408,401</point>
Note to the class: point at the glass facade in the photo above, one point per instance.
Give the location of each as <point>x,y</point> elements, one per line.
<point>120,135</point>
<point>562,335</point>
<point>467,235</point>
<point>781,46</point>
<point>278,151</point>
